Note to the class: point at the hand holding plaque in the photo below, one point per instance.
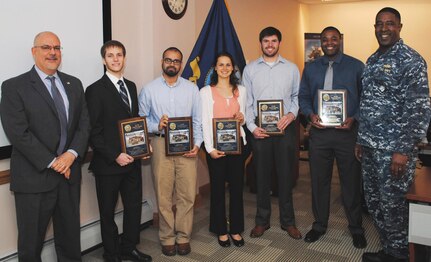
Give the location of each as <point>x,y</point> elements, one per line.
<point>332,107</point>
<point>269,113</point>
<point>134,137</point>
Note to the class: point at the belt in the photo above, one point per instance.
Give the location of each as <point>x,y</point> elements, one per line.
<point>159,135</point>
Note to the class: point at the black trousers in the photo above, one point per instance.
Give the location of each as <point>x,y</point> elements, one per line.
<point>327,145</point>
<point>230,169</point>
<point>278,152</point>
<point>33,212</point>
<point>108,187</point>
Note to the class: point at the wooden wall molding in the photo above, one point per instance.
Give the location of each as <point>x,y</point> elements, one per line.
<point>4,177</point>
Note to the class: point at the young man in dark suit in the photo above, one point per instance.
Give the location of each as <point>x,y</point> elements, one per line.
<point>45,117</point>
<point>110,99</point>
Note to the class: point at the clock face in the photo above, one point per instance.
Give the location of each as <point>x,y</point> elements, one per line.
<point>175,9</point>
<point>177,6</point>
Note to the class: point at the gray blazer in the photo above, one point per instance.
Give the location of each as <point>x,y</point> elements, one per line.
<point>30,121</point>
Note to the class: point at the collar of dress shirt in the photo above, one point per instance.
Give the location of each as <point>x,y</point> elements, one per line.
<point>114,79</point>
<point>171,86</point>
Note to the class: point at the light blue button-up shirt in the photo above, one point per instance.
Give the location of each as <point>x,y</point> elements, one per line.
<point>270,82</point>
<point>182,99</point>
<point>59,85</point>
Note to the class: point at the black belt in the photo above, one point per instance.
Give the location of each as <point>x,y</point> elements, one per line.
<point>159,135</point>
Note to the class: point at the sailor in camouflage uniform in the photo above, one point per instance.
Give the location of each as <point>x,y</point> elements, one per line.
<point>394,116</point>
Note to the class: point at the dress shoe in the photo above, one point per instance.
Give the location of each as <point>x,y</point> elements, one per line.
<point>169,250</point>
<point>258,231</point>
<point>238,243</point>
<point>183,249</point>
<point>359,240</point>
<point>136,255</point>
<point>381,256</point>
<point>292,231</point>
<point>224,243</point>
<point>313,236</point>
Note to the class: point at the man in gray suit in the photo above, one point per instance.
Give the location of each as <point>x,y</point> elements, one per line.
<point>44,115</point>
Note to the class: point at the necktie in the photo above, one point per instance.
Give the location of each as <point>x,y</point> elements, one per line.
<point>329,77</point>
<point>61,110</point>
<point>123,93</point>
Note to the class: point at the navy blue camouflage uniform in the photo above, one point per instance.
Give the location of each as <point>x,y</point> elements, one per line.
<point>394,116</point>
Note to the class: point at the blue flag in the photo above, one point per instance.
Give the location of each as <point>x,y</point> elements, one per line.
<point>217,35</point>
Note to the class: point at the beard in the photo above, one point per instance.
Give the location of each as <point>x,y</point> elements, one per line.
<point>170,71</point>
<point>268,54</point>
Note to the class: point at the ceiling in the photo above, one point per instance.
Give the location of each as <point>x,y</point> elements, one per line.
<point>330,1</point>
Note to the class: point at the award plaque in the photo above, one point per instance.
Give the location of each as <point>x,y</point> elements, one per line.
<point>134,137</point>
<point>178,136</point>
<point>332,107</point>
<point>269,113</point>
<point>227,135</point>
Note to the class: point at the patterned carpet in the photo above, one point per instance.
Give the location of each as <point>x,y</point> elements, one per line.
<point>275,244</point>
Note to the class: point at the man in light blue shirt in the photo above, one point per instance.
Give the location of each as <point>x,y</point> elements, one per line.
<point>165,97</point>
<point>271,77</point>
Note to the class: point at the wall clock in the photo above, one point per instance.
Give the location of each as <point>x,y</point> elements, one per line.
<point>175,9</point>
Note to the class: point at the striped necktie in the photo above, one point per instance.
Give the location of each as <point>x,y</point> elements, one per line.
<point>61,110</point>
<point>123,93</point>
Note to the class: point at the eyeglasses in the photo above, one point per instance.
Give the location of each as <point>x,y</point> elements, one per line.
<point>47,48</point>
<point>170,61</point>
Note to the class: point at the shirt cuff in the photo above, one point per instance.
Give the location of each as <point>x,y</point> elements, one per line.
<point>73,152</point>
<point>52,162</point>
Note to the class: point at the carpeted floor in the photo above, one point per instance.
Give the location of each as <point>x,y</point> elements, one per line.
<point>275,244</point>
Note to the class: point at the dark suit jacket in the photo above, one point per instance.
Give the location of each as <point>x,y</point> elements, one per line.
<point>105,109</point>
<point>31,123</point>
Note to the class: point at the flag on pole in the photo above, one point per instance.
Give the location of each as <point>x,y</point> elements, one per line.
<point>217,35</point>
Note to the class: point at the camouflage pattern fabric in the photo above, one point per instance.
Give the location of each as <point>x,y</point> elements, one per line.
<point>395,107</point>
<point>394,117</point>
<point>384,195</point>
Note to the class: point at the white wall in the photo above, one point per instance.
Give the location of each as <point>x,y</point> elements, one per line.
<point>146,31</point>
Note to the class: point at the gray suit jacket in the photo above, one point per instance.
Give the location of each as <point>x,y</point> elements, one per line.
<point>30,121</point>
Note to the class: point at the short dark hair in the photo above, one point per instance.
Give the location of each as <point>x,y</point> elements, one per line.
<point>172,49</point>
<point>112,43</point>
<point>390,10</point>
<point>330,28</point>
<point>269,31</point>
